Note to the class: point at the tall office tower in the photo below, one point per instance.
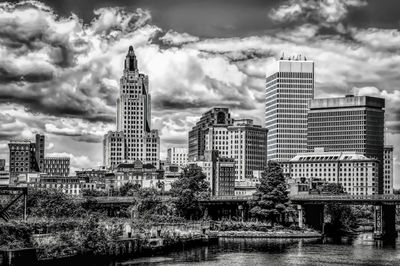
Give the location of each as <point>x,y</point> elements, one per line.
<point>177,156</point>
<point>243,141</point>
<point>215,116</point>
<point>134,114</point>
<point>388,169</point>
<point>113,149</point>
<point>39,150</point>
<point>349,124</point>
<point>288,91</point>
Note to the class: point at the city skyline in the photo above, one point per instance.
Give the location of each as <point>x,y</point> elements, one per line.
<point>60,77</point>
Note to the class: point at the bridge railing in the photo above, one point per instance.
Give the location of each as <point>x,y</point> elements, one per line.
<point>347,197</point>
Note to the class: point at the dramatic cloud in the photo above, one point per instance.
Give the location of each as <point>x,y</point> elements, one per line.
<point>60,76</point>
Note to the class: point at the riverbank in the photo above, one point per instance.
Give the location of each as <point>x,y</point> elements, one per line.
<point>271,234</point>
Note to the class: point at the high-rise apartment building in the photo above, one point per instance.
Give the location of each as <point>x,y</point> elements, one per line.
<point>177,156</point>
<point>351,123</point>
<point>388,169</point>
<point>215,116</point>
<point>134,117</point>
<point>288,91</point>
<point>242,141</point>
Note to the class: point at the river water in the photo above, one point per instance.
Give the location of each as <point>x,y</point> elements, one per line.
<point>359,250</point>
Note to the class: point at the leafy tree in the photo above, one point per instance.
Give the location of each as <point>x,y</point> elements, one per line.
<point>129,189</point>
<point>188,190</point>
<point>271,203</point>
<point>341,217</point>
<point>93,193</point>
<point>50,203</point>
<point>149,202</point>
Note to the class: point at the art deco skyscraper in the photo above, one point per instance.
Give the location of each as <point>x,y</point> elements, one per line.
<point>288,92</point>
<point>134,116</point>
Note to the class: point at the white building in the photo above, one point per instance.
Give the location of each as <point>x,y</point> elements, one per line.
<point>357,173</point>
<point>113,149</point>
<point>177,156</point>
<point>388,170</point>
<point>134,115</point>
<point>288,90</point>
<point>243,141</point>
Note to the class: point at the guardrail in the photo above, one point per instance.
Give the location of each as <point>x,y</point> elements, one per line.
<point>346,197</point>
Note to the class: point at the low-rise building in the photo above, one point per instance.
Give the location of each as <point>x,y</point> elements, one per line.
<point>56,166</point>
<point>177,156</point>
<point>219,171</point>
<point>69,185</point>
<point>145,175</point>
<point>357,173</point>
<point>4,178</point>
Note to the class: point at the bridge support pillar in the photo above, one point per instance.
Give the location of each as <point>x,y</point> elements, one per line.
<point>314,216</point>
<point>385,221</point>
<point>300,215</point>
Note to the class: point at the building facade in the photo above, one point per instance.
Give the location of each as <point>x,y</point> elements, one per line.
<point>144,175</point>
<point>22,158</point>
<point>357,173</point>
<point>288,91</point>
<point>215,116</point>
<point>2,164</point>
<point>113,149</point>
<point>219,172</point>
<point>177,156</point>
<point>134,114</point>
<point>68,185</point>
<point>56,166</point>
<point>351,123</point>
<point>388,169</point>
<point>242,141</point>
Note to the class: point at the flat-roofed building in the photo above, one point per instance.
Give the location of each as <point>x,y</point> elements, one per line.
<point>177,156</point>
<point>351,123</point>
<point>357,173</point>
<point>388,169</point>
<point>288,91</point>
<point>113,149</point>
<point>56,166</point>
<point>219,171</point>
<point>242,141</point>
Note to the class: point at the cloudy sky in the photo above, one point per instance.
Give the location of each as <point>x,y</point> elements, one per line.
<point>60,62</point>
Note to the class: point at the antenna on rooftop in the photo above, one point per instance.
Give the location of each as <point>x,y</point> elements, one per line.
<point>282,56</point>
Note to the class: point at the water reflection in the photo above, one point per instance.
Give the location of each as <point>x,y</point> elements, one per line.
<point>358,250</point>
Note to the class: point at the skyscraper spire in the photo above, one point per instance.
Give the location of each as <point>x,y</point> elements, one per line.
<point>130,60</point>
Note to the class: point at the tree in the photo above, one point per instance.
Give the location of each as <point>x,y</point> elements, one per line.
<point>271,198</point>
<point>149,202</point>
<point>93,193</point>
<point>129,189</point>
<point>341,217</point>
<point>50,203</point>
<point>188,190</point>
